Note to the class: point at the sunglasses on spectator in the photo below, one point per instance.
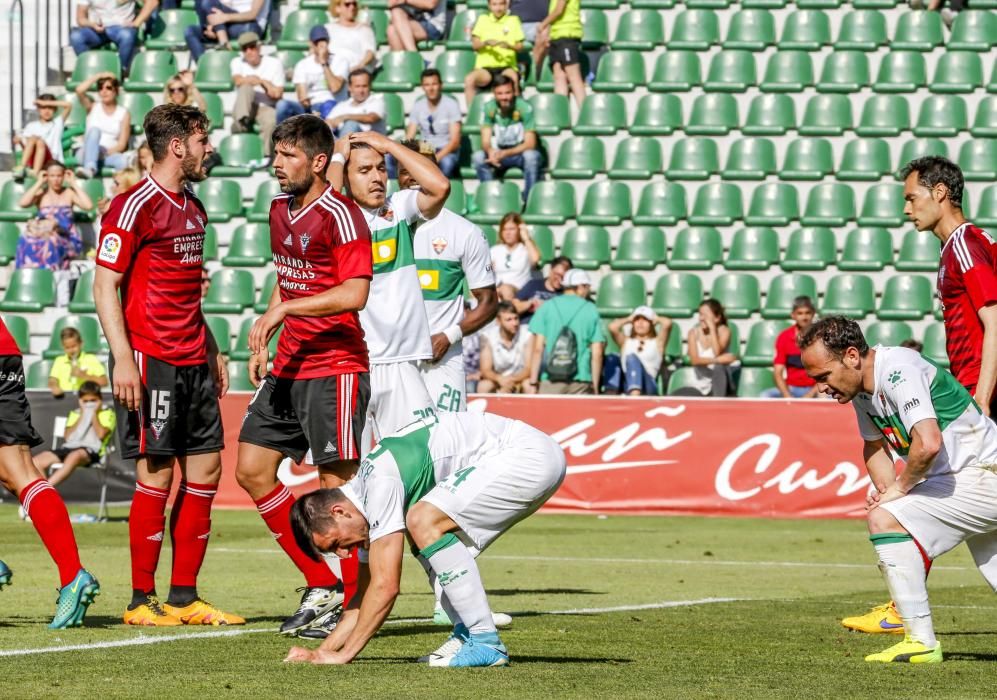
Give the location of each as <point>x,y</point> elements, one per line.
<point>106,86</point>
<point>178,88</point>
<point>348,4</point>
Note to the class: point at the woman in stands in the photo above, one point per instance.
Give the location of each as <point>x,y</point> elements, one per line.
<point>108,127</point>
<point>51,238</point>
<point>709,353</point>
<point>635,370</point>
<point>123,181</point>
<point>180,90</point>
<point>514,257</point>
<point>350,38</point>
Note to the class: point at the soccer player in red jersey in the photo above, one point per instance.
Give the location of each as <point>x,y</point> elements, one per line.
<point>316,396</point>
<point>42,503</point>
<point>166,371</point>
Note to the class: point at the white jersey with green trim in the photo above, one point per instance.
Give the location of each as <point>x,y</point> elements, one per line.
<point>407,465</point>
<point>394,320</point>
<point>910,389</point>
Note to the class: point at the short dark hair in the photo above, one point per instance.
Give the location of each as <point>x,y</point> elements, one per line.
<point>309,514</point>
<point>912,344</point>
<point>561,260</point>
<point>934,170</point>
<point>430,73</point>
<point>506,307</point>
<point>52,161</point>
<point>356,72</point>
<point>308,132</point>
<point>171,121</point>
<point>502,79</point>
<point>46,96</point>
<point>105,80</point>
<point>718,310</point>
<point>837,333</point>
<point>804,302</point>
<point>89,388</point>
<point>69,332</point>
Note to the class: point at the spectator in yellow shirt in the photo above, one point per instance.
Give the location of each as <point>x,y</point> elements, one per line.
<point>88,431</point>
<point>561,31</point>
<point>70,370</point>
<point>496,38</point>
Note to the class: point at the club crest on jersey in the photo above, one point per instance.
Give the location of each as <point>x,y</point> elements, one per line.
<point>110,248</point>
<point>305,239</point>
<point>439,245</point>
<point>157,427</point>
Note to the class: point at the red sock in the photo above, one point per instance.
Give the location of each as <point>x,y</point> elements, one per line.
<point>190,527</point>
<point>48,514</point>
<point>350,570</point>
<point>924,558</point>
<point>146,523</point>
<point>275,508</point>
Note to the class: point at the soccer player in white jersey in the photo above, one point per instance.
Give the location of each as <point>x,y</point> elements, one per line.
<point>452,484</point>
<point>946,492</point>
<point>394,320</point>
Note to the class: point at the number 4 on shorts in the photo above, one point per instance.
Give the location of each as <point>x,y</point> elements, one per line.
<point>462,474</point>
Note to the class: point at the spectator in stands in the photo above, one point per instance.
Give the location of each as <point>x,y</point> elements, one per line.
<point>506,350</point>
<point>413,21</point>
<point>949,9</point>
<point>497,37</point>
<point>914,345</point>
<point>100,22</point>
<point>51,238</point>
<point>514,257</point>
<point>319,79</point>
<point>635,369</point>
<point>121,182</point>
<point>205,282</point>
<point>42,138</point>
<point>791,380</point>
<point>436,119</point>
<point>531,13</point>
<point>362,112</point>
<point>508,137</point>
<point>537,291</point>
<point>144,160</point>
<point>709,353</point>
<point>181,90</point>
<point>352,39</point>
<point>74,367</point>
<point>471,350</point>
<point>259,83</point>
<point>568,362</point>
<point>561,32</point>
<point>108,128</point>
<point>89,428</point>
<point>222,20</point>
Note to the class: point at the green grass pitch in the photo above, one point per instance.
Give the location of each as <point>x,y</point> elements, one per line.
<point>636,598</point>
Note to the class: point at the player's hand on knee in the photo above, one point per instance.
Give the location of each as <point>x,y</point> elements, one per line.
<point>128,385</point>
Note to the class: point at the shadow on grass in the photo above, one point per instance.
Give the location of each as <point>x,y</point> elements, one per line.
<point>969,656</point>
<point>543,591</point>
<point>516,659</point>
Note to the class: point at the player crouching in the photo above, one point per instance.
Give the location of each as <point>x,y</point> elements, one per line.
<point>469,477</point>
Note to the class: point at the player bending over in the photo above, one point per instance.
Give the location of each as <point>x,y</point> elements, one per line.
<point>450,484</point>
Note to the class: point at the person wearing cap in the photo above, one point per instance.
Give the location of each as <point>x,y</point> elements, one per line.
<point>319,79</point>
<point>259,83</point>
<point>791,380</point>
<point>635,369</point>
<point>572,309</point>
<point>219,21</point>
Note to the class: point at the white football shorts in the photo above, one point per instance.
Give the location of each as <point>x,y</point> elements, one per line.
<point>398,396</point>
<point>446,381</point>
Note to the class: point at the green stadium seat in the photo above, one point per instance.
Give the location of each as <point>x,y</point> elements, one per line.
<point>731,71</point>
<point>717,204</point>
<point>138,105</point>
<point>738,292</point>
<point>849,295</point>
<point>546,81</point>
<point>807,159</point>
<point>222,333</point>
<point>93,62</point>
<point>819,4</point>
<point>601,115</point>
<point>641,30</point>
<point>884,115</point>
<point>917,31</point>
<point>829,204</point>
<point>551,202</point>
<point>620,71</point>
<point>676,71</point>
<point>241,155</point>
<point>76,121</point>
<point>905,298</point>
<point>788,71</point>
<point>973,30</point>
<point>919,251</point>
<point>986,212</point>
<point>806,30</point>
<point>915,148</point>
<point>683,377</point>
<point>82,301</point>
<point>606,203</point>
<point>29,289</point>
<point>472,120</point>
<point>934,345</point>
<point>636,158</point>
<point>901,71</point>
<point>978,160</point>
<point>661,204</point>
<point>587,246</point>
<point>10,194</point>
<point>238,377</point>
<point>677,294</point>
<point>773,204</point>
<point>36,376</point>
<point>239,352</point>
<point>883,206</point>
<point>844,71</point>
<point>619,294</point>
<point>985,121</point>
<point>210,250</point>
<point>250,246</point>
<point>214,71</point>
<point>454,67</point>
<point>866,249</point>
<point>696,248</point>
<point>457,199</point>
<point>864,159</point>
<point>875,4</point>
<point>266,191</point>
<point>263,300</point>
<point>221,198</point>
<point>640,248</point>
<point>595,28</point>
<point>770,115</point>
<point>712,114</point>
<point>751,30</point>
<point>695,30</point>
<point>943,115</point>
<point>289,59</point>
<point>653,4</point>
<point>693,159</point>
<point>230,292</point>
<point>759,350</point>
<point>764,4</point>
<point>150,71</point>
<point>460,30</point>
<point>493,200</point>
<point>957,72</point>
<point>90,334</point>
<point>551,112</point>
<point>827,115</point>
<point>400,71</point>
<point>297,25</point>
<point>215,109</point>
<point>580,158</point>
<point>709,4</point>
<point>657,115</point>
<point>544,238</point>
<point>394,112</point>
<point>19,331</point>
<point>9,235</point>
<point>861,30</point>
<point>810,248</point>
<point>753,248</point>
<point>783,290</point>
<point>168,30</point>
<point>750,159</point>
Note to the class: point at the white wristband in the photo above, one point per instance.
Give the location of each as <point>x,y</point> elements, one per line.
<point>338,158</point>
<point>454,334</point>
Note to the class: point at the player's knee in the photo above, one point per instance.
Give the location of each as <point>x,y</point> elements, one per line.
<point>881,520</point>
<point>422,523</point>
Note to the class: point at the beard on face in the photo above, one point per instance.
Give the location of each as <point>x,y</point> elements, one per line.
<point>193,168</point>
<point>298,187</point>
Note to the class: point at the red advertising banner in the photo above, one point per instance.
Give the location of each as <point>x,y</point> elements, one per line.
<point>724,457</point>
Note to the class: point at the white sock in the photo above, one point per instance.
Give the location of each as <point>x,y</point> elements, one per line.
<point>458,575</point>
<point>440,600</point>
<point>903,568</point>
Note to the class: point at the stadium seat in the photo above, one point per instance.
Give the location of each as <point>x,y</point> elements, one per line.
<point>653,4</point>
<point>901,71</point>
<point>676,71</point>
<point>493,200</point>
<point>214,109</point>
<point>250,246</point>
<point>138,105</point>
<point>36,375</point>
<point>454,67</point>
<point>883,206</point>
<point>943,115</point>
<point>788,71</point>
<point>677,294</point>
<point>551,113</point>
<point>9,235</point>
<point>973,30</point>
<point>807,159</point>
<point>150,71</point>
<point>915,148</point>
<point>861,30</point>
<point>770,115</point>
<point>399,72</point>
<point>731,71</point>
<point>827,115</point>
<point>934,344</point>
<point>619,294</point>
<point>764,4</point>
<point>919,251</point>
<point>844,71</point>
<point>738,292</point>
<point>210,250</point>
<point>986,212</point>
<point>661,204</point>
<point>93,62</point>
<point>657,115</point>
<point>849,295</point>
<point>82,301</point>
<point>806,30</point>
<point>829,204</point>
<point>214,71</point>
<point>90,333</point>
<point>750,159</point>
<point>957,72</point>
<point>222,333</point>
<point>754,381</point>
<point>978,160</point>
<point>9,208</point>
<point>587,246</point>
<point>546,81</point>
<point>783,290</point>
<point>20,331</point>
<point>460,30</point>
<point>717,204</point>
<point>620,71</point>
<point>773,204</point>
<point>551,202</point>
<point>875,4</point>
<point>695,30</point>
<point>221,198</point>
<point>636,158</point>
<point>682,378</point>
<point>265,192</point>
<point>864,159</point>
<point>263,300</point>
<point>713,114</point>
<point>238,377</point>
<point>297,25</point>
<point>985,121</point>
<point>168,30</point>
<point>751,30</point>
<point>606,203</point>
<point>240,348</point>
<point>917,31</point>
<point>810,248</point>
<point>595,28</point>
<point>905,298</point>
<point>29,289</point>
<point>884,115</point>
<point>601,115</point>
<point>753,248</point>
<point>241,155</point>
<point>709,4</point>
<point>641,30</point>
<point>457,199</point>
<point>866,249</point>
<point>759,350</point>
<point>693,159</point>
<point>640,248</point>
<point>544,238</point>
<point>230,292</point>
<point>580,158</point>
<point>472,120</point>
<point>696,248</point>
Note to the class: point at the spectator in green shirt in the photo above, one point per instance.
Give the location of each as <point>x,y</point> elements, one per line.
<point>508,137</point>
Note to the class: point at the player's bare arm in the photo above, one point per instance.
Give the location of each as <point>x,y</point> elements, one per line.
<point>926,443</point>
<point>473,321</point>
<point>126,381</point>
<point>434,185</point>
<point>988,358</point>
<point>259,360</point>
<point>216,360</point>
<point>880,466</point>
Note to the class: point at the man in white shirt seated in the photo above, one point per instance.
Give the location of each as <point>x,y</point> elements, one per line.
<point>319,79</point>
<point>259,82</point>
<point>505,354</point>
<point>362,112</point>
